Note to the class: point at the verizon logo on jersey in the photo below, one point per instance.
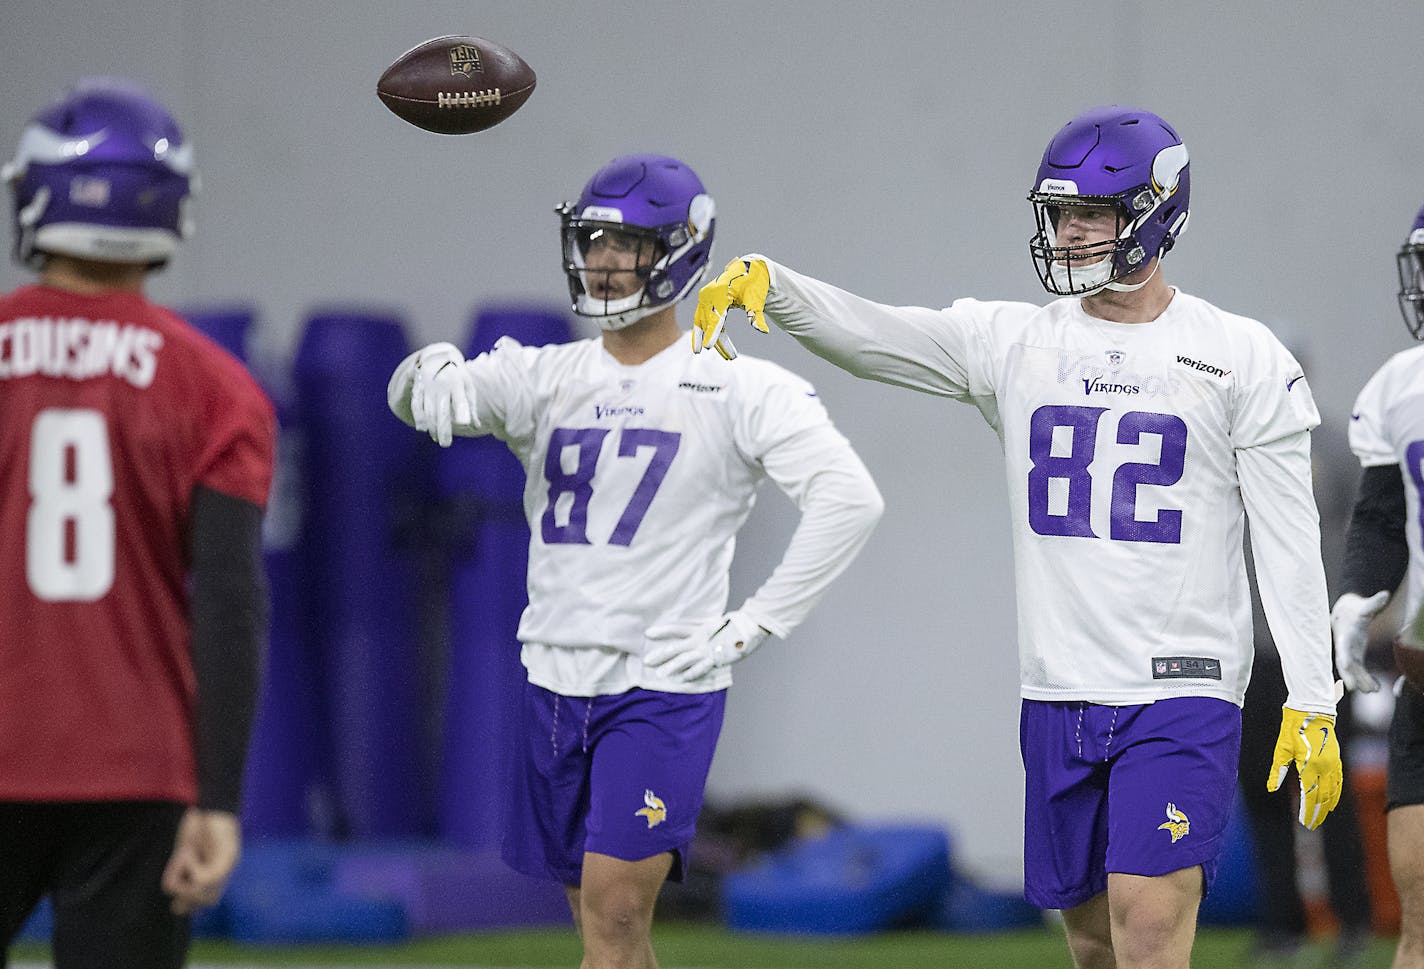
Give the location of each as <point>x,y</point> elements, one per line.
<point>78,349</point>
<point>1203,367</point>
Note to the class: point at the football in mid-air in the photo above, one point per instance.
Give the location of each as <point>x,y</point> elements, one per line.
<point>456,85</point>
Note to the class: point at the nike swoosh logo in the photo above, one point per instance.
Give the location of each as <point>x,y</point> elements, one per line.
<point>1354,417</point>
<point>1291,383</point>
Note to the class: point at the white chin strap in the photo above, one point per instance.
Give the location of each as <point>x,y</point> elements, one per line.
<point>1134,287</point>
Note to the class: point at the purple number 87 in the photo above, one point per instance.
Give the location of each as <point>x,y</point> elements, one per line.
<point>578,484</point>
<point>1072,469</point>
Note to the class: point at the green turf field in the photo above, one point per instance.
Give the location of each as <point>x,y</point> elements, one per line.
<point>687,947</point>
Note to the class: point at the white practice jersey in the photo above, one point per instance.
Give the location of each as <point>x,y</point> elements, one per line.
<point>637,479</point>
<point>1387,427</point>
<point>1134,453</point>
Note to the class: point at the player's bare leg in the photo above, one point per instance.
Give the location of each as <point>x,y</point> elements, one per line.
<point>1154,919</point>
<point>1406,854</point>
<point>1090,934</point>
<point>614,910</point>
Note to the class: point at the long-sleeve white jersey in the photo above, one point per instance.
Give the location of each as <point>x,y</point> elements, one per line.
<point>1133,452</point>
<point>1387,427</point>
<point>637,479</point>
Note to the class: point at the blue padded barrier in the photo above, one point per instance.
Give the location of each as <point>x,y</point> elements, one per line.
<point>852,880</point>
<point>362,478</point>
<point>444,889</point>
<point>1233,897</point>
<point>228,326</point>
<point>482,485</point>
<point>969,908</point>
<point>286,892</point>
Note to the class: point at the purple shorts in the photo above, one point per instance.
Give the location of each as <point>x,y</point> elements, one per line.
<point>1142,790</point>
<point>619,775</point>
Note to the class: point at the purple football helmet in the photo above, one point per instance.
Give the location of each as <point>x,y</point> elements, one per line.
<point>654,204</point>
<point>103,173</point>
<point>1128,161</point>
<point>1411,278</point>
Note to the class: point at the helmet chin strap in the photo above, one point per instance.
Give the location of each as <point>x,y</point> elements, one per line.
<point>1133,287</point>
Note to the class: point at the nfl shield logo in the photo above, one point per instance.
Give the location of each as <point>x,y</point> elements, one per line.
<point>464,60</point>
<point>1115,358</point>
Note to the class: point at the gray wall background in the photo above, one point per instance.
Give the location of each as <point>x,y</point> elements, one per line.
<point>885,147</point>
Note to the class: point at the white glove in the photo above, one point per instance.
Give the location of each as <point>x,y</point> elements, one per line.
<point>1350,625</point>
<point>443,393</point>
<point>688,652</point>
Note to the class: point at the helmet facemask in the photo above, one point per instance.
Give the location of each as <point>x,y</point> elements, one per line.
<point>1082,270</point>
<point>626,281</point>
<point>1410,261</point>
<point>1070,270</point>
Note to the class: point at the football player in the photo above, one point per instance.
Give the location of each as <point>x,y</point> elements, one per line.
<point>1140,426</point>
<point>1382,549</point>
<point>642,463</point>
<point>135,460</point>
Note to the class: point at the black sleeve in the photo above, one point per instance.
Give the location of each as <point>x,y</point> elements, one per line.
<point>1376,550</point>
<point>229,629</point>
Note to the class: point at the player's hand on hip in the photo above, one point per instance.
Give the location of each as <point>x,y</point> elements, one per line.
<point>1308,740</point>
<point>742,285</point>
<point>1350,626</point>
<point>689,651</point>
<point>204,854</point>
<point>443,393</point>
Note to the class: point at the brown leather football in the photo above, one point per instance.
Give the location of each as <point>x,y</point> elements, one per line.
<point>456,85</point>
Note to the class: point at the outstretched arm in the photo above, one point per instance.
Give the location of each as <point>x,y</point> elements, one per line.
<point>432,390</point>
<point>932,351</point>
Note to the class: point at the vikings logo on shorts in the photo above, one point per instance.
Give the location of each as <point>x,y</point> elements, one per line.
<point>1176,824</point>
<point>656,811</point>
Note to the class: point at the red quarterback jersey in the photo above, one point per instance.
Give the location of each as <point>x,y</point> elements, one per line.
<point>112,410</point>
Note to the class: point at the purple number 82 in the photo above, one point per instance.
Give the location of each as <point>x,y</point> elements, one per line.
<point>1072,468</point>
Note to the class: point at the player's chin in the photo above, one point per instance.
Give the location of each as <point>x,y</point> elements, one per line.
<point>1409,660</point>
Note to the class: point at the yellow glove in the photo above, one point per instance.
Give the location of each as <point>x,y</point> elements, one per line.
<point>742,284</point>
<point>1309,740</point>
